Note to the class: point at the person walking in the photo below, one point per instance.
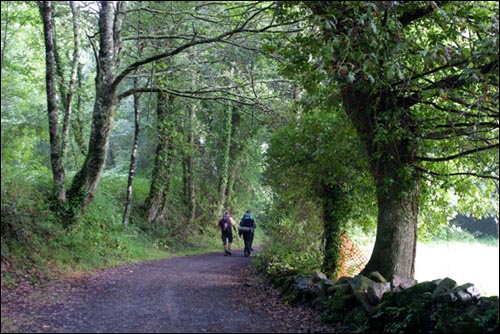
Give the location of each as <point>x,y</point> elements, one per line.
<point>247,228</point>
<point>227,225</point>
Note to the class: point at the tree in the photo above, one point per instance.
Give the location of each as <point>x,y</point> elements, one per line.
<point>56,151</point>
<point>318,157</point>
<point>188,172</point>
<point>55,73</point>
<point>111,73</point>
<point>419,80</point>
<point>162,171</point>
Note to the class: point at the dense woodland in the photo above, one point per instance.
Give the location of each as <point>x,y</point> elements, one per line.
<point>145,120</point>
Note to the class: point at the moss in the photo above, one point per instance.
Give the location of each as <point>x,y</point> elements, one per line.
<point>338,304</point>
<point>479,316</point>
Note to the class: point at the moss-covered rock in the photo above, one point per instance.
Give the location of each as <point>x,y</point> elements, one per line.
<point>339,304</point>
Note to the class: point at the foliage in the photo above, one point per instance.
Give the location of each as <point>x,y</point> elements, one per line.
<point>236,73</point>
<point>317,156</point>
<point>484,228</point>
<point>478,318</point>
<point>293,241</point>
<point>416,79</point>
<point>24,140</point>
<point>420,313</point>
<point>442,59</point>
<point>35,247</point>
<point>322,149</point>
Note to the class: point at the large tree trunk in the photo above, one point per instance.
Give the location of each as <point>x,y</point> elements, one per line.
<point>395,246</point>
<point>162,170</point>
<point>50,70</point>
<point>391,162</point>
<point>86,180</point>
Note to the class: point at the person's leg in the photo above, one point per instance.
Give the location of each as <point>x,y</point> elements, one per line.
<point>246,238</point>
<point>230,241</point>
<point>224,242</point>
<point>250,242</point>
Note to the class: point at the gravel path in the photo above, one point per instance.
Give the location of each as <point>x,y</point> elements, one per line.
<point>188,294</point>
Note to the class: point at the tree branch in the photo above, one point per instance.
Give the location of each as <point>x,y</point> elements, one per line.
<point>458,80</point>
<point>491,114</point>
<point>409,17</point>
<point>239,29</point>
<point>197,93</point>
<point>451,132</point>
<point>459,155</point>
<point>482,176</point>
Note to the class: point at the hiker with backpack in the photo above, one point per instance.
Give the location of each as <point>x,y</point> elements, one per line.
<point>247,227</point>
<point>227,225</point>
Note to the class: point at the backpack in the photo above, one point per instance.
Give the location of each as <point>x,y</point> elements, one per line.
<point>224,223</point>
<point>247,225</point>
<point>248,222</point>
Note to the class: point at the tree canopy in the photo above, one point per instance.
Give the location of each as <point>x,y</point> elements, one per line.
<point>419,80</point>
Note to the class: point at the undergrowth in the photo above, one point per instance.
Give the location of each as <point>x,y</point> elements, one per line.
<point>35,247</point>
<point>294,245</point>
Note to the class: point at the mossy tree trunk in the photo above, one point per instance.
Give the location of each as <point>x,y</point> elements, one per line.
<point>189,190</point>
<point>225,160</point>
<point>156,202</point>
<point>332,229</point>
<point>56,156</point>
<point>86,180</point>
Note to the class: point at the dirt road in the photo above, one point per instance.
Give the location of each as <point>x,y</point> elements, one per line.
<point>188,294</point>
